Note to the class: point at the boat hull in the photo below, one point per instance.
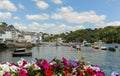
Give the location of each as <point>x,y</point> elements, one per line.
<point>112,49</point>
<point>19,54</point>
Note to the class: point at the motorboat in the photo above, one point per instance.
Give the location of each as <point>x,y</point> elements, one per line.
<point>103,48</point>
<point>96,47</point>
<point>20,50</point>
<point>112,49</point>
<point>19,54</point>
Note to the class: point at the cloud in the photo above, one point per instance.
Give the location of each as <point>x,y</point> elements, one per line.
<point>38,17</point>
<point>57,1</point>
<point>20,26</point>
<point>16,18</point>
<point>6,4</point>
<point>41,4</point>
<point>5,15</point>
<point>71,16</point>
<point>50,28</point>
<point>114,23</point>
<point>20,6</point>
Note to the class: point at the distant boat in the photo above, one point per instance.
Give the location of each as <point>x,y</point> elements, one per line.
<point>20,50</point>
<point>112,49</point>
<point>86,44</point>
<point>74,46</point>
<point>96,47</point>
<point>19,54</point>
<point>103,48</point>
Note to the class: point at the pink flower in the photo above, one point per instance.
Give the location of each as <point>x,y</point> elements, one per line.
<point>6,74</point>
<point>96,68</point>
<point>44,64</point>
<point>24,62</point>
<point>22,72</point>
<point>100,74</point>
<point>37,63</point>
<point>65,61</point>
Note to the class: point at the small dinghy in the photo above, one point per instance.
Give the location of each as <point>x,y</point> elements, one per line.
<point>19,54</point>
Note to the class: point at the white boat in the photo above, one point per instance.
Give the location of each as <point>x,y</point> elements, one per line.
<point>85,43</point>
<point>103,48</point>
<point>20,50</point>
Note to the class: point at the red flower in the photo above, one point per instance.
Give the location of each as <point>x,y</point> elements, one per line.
<point>48,72</point>
<point>50,67</point>
<point>66,72</point>
<point>80,74</point>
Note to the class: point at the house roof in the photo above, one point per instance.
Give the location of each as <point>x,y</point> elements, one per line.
<point>28,33</point>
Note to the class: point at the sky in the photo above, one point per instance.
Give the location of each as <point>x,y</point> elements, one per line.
<point>59,16</point>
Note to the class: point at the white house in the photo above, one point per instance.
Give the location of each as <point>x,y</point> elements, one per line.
<point>32,37</point>
<point>10,33</point>
<point>2,35</point>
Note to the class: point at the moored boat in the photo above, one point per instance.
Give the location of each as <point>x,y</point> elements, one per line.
<point>96,47</point>
<point>19,54</point>
<point>20,50</point>
<point>112,49</point>
<point>103,48</point>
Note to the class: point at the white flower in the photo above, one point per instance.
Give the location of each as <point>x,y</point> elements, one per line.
<point>1,72</point>
<point>36,67</point>
<point>27,65</point>
<point>87,66</point>
<point>96,68</point>
<point>14,68</point>
<point>20,63</point>
<point>5,68</point>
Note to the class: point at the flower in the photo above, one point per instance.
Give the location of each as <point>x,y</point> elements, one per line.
<point>44,64</point>
<point>96,68</point>
<point>73,63</point>
<point>56,67</point>
<point>66,72</point>
<point>115,74</point>
<point>65,61</point>
<point>48,72</point>
<point>22,72</point>
<point>14,68</point>
<point>100,74</point>
<point>6,74</point>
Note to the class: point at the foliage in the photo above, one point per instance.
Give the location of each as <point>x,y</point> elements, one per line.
<point>107,34</point>
<point>3,24</point>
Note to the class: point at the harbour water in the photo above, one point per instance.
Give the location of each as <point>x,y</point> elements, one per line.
<point>107,60</point>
